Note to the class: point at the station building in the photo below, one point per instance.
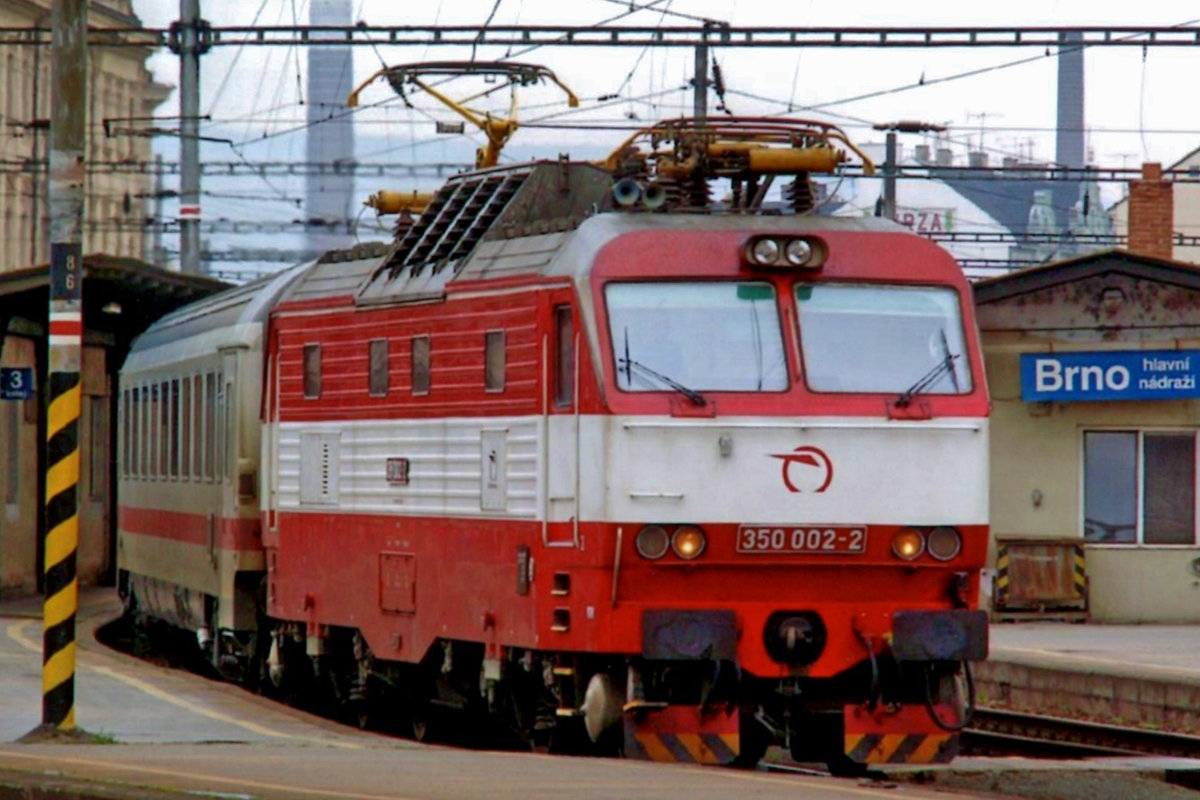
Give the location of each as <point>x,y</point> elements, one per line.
<point>1093,365</point>
<point>122,297</point>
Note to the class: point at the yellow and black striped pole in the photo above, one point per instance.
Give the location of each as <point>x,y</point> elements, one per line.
<point>67,140</point>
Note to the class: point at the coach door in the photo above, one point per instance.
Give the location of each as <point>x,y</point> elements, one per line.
<point>560,348</point>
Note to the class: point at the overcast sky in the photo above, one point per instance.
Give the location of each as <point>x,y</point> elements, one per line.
<point>1140,105</point>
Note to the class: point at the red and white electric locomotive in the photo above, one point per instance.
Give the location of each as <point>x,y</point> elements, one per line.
<point>586,451</point>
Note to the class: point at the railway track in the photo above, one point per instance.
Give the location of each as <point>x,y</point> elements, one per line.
<point>1000,732</point>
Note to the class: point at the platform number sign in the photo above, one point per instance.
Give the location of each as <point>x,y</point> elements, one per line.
<point>16,383</point>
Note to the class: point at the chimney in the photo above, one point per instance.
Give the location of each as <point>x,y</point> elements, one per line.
<point>923,154</point>
<point>977,159</point>
<point>1151,214</point>
<point>945,157</point>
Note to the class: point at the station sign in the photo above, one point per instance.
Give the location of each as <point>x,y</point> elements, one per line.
<point>1112,375</point>
<point>16,383</point>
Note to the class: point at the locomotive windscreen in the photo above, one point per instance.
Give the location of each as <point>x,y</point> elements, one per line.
<point>882,339</point>
<point>713,336</point>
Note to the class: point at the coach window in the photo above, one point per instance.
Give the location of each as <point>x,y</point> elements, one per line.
<point>153,431</point>
<point>312,371</point>
<point>377,358</point>
<point>564,357</point>
<point>493,367</point>
<point>127,417</point>
<point>1139,487</point>
<point>420,365</point>
<point>197,427</point>
<point>185,427</point>
<point>173,427</point>
<point>142,441</point>
<point>210,424</point>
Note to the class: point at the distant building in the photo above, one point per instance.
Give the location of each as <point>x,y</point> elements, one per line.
<point>1185,211</point>
<point>121,87</point>
<point>1044,216</point>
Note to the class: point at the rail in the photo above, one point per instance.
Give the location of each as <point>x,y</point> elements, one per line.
<point>996,731</point>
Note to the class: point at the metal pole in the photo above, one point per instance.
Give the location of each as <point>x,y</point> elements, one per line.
<point>889,176</point>
<point>189,133</point>
<point>700,84</point>
<point>67,141</point>
<point>157,256</point>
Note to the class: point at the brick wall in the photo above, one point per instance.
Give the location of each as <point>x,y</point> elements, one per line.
<point>1151,213</point>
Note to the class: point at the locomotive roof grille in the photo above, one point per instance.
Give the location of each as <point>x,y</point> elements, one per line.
<point>454,223</point>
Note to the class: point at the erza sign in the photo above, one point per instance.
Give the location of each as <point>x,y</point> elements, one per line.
<point>1121,375</point>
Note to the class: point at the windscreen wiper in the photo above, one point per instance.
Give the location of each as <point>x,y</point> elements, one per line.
<point>691,394</point>
<point>928,379</point>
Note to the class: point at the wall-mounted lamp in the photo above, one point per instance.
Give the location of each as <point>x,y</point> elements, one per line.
<point>111,307</point>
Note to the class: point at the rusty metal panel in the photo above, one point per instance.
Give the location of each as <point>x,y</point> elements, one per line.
<point>1040,574</point>
<point>398,582</point>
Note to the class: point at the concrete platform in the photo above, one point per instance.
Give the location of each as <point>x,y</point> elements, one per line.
<point>1122,674</point>
<point>175,734</point>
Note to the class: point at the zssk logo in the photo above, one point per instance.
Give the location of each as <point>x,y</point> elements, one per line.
<point>806,469</point>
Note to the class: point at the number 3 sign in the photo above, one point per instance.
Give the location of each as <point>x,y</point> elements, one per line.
<point>16,383</point>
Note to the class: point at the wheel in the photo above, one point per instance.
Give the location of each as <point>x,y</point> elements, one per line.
<point>754,739</point>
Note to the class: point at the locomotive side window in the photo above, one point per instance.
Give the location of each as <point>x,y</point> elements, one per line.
<point>377,358</point>
<point>720,336</point>
<point>420,365</point>
<point>873,338</point>
<point>312,371</point>
<point>564,357</point>
<point>493,361</point>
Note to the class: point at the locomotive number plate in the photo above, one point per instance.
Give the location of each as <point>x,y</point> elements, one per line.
<point>832,539</point>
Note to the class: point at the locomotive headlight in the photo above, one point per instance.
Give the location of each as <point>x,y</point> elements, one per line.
<point>944,543</point>
<point>652,542</point>
<point>798,252</point>
<point>765,251</point>
<point>908,543</point>
<point>688,541</point>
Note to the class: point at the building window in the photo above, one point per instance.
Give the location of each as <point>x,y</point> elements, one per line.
<point>377,357</point>
<point>564,357</point>
<point>420,365</point>
<point>1139,487</point>
<point>493,361</point>
<point>312,371</point>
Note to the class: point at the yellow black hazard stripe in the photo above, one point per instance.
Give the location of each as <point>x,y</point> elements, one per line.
<point>693,748</point>
<point>1079,564</point>
<point>1002,585</point>
<point>901,748</point>
<point>62,541</point>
